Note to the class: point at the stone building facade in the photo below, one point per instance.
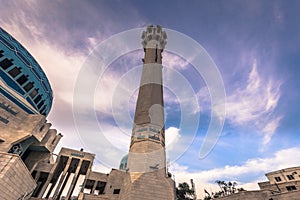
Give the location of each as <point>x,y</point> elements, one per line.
<point>16,181</point>
<point>26,139</point>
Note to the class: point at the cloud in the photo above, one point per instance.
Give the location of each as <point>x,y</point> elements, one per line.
<point>60,23</point>
<point>172,137</point>
<point>270,128</point>
<point>258,166</point>
<point>255,104</point>
<point>60,41</point>
<point>173,61</point>
<point>123,135</point>
<point>97,167</point>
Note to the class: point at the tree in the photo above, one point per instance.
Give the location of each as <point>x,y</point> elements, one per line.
<point>226,188</point>
<point>184,192</point>
<point>207,198</point>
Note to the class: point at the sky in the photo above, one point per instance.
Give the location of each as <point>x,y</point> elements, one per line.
<point>252,45</point>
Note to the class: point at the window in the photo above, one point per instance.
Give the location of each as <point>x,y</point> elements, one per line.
<point>54,139</point>
<point>40,104</point>
<point>116,191</point>
<point>33,93</point>
<point>15,72</point>
<point>28,86</point>
<point>4,64</point>
<point>277,179</point>
<point>101,186</point>
<point>37,99</point>
<point>290,177</point>
<point>4,120</point>
<point>42,127</point>
<point>291,188</point>
<point>22,79</point>
<point>43,109</point>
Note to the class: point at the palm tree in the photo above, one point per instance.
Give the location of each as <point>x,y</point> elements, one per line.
<point>223,187</point>
<point>226,189</point>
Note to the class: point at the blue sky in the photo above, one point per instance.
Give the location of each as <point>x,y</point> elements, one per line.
<point>254,44</point>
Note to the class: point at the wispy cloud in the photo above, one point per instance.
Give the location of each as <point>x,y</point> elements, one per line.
<point>60,41</point>
<point>255,104</point>
<point>174,62</point>
<point>64,27</point>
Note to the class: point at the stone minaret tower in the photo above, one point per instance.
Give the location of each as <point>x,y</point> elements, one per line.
<point>147,158</point>
<point>147,148</point>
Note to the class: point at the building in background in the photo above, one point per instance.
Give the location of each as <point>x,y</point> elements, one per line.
<point>281,185</point>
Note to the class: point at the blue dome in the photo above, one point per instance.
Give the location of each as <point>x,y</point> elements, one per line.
<point>123,163</point>
<point>23,77</point>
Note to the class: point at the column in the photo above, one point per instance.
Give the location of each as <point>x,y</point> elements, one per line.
<point>62,178</point>
<point>94,187</point>
<point>50,190</point>
<point>57,196</point>
<point>37,176</point>
<point>48,179</point>
<point>86,177</point>
<point>75,178</point>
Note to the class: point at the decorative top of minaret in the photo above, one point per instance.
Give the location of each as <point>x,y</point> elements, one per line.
<point>154,37</point>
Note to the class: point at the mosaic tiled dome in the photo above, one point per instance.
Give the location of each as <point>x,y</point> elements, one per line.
<point>21,74</point>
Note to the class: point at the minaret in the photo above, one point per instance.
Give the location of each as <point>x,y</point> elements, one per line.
<point>147,148</point>
<point>147,158</point>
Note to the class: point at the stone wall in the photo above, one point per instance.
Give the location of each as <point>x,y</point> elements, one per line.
<point>15,180</point>
<point>249,195</point>
<point>146,186</point>
<point>83,196</point>
<point>263,195</point>
<point>292,195</point>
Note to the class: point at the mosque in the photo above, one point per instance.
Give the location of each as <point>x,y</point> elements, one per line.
<point>28,169</point>
<point>27,141</point>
